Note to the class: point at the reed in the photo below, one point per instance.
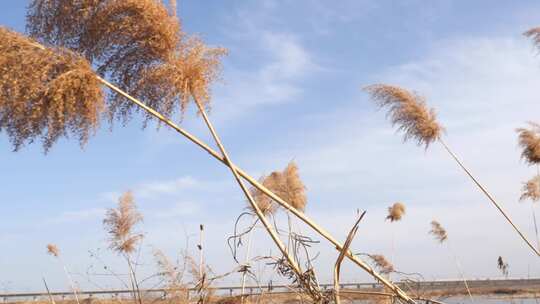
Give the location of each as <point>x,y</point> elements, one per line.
<point>120,224</point>
<point>503,266</point>
<point>53,250</point>
<point>529,141</point>
<point>256,184</point>
<point>409,112</point>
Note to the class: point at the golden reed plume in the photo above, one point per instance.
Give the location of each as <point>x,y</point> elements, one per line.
<point>408,111</point>
<point>396,212</point>
<point>53,250</point>
<point>120,222</point>
<point>287,185</point>
<point>438,231</point>
<point>122,38</point>
<point>45,93</point>
<point>531,190</point>
<point>381,263</point>
<point>529,141</point>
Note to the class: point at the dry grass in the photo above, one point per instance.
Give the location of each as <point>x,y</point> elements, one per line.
<point>531,190</point>
<point>45,93</point>
<point>53,250</point>
<point>438,231</point>
<point>529,141</point>
<point>120,222</point>
<point>409,112</point>
<point>396,212</point>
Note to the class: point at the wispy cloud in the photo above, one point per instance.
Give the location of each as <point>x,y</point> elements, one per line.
<point>79,215</point>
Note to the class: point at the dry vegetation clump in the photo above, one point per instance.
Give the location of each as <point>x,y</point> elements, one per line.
<point>120,222</point>
<point>286,184</point>
<point>409,112</point>
<point>172,275</point>
<point>531,190</point>
<point>169,87</point>
<point>121,37</point>
<point>396,212</point>
<point>503,266</point>
<point>438,231</point>
<point>53,250</point>
<point>529,141</point>
<point>45,93</point>
<point>381,263</point>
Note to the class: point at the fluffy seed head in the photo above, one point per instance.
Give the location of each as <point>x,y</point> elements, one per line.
<point>45,93</point>
<point>285,184</point>
<point>534,34</point>
<point>396,212</point>
<point>531,190</point>
<point>120,222</point>
<point>529,141</point>
<point>409,112</point>
<point>53,250</point>
<point>438,231</point>
<point>384,266</point>
<point>169,87</point>
<point>122,38</point>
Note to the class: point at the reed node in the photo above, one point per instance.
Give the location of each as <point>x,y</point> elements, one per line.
<point>408,111</point>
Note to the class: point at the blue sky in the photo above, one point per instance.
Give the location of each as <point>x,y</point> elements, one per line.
<point>291,90</point>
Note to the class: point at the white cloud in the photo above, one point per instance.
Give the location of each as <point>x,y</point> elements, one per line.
<point>151,190</point>
<point>80,215</point>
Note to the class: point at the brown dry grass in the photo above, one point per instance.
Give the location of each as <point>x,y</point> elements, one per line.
<point>408,111</point>
<point>396,212</point>
<point>45,93</point>
<point>531,190</point>
<point>529,141</point>
<point>120,222</point>
<point>438,231</point>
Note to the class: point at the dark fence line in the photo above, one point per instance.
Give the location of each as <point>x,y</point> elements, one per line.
<point>277,288</point>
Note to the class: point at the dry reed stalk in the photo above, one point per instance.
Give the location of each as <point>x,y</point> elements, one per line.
<point>402,295</point>
<point>529,141</point>
<point>53,250</point>
<point>337,265</point>
<point>119,224</point>
<point>409,112</point>
<point>51,299</point>
<point>46,93</point>
<point>201,252</point>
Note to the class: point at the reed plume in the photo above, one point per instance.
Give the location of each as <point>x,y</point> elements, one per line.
<point>265,203</point>
<point>503,266</point>
<point>531,190</point>
<point>529,141</point>
<point>381,263</point>
<point>438,231</point>
<point>173,7</point>
<point>169,87</point>
<point>46,93</point>
<point>534,34</point>
<point>119,223</point>
<point>122,38</point>
<point>409,112</point>
<point>396,212</point>
<point>53,250</point>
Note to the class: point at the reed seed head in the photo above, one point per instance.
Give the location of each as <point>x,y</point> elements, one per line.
<point>169,87</point>
<point>503,266</point>
<point>534,34</point>
<point>46,93</point>
<point>531,190</point>
<point>285,184</point>
<point>381,263</point>
<point>409,112</point>
<point>396,212</point>
<point>119,224</point>
<point>529,141</point>
<point>53,250</point>
<point>438,231</point>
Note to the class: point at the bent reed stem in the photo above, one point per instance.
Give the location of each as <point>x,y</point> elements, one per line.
<point>454,156</point>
